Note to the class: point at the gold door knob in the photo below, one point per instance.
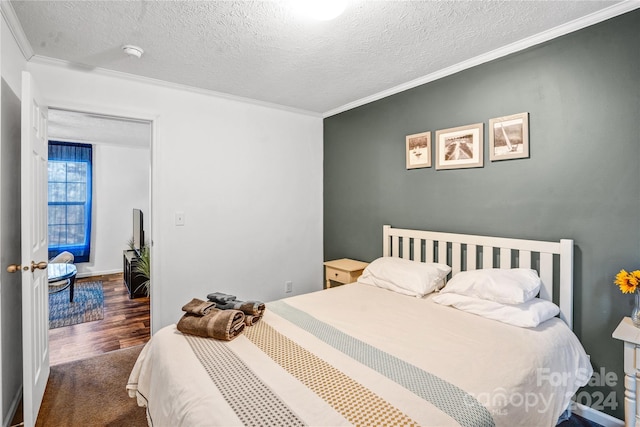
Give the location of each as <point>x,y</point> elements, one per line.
<point>15,267</point>
<point>41,265</point>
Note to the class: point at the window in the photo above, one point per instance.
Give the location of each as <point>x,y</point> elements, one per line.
<point>70,199</point>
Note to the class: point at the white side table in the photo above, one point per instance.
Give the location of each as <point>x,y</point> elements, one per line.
<point>628,333</point>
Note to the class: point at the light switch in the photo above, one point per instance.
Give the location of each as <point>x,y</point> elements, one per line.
<point>179,218</point>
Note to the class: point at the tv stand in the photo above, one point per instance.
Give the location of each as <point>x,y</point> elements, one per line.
<point>132,279</point>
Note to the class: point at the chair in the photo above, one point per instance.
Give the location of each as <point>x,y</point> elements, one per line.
<point>62,257</point>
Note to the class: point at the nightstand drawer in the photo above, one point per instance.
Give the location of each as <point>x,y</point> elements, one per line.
<point>338,275</point>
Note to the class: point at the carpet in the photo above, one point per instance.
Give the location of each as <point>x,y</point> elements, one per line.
<point>91,392</point>
<point>87,305</point>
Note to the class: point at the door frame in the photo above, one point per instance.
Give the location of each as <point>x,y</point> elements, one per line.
<point>154,119</point>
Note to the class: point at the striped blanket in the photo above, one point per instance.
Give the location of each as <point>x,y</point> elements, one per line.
<point>350,356</point>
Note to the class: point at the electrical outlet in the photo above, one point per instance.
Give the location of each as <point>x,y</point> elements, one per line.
<point>288,287</point>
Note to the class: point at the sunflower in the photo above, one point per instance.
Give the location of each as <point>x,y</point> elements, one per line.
<point>628,282</point>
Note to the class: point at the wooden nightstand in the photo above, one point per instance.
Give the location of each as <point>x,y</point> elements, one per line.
<point>343,270</point>
<point>628,333</point>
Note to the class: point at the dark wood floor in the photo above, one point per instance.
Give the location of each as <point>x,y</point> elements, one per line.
<point>126,323</point>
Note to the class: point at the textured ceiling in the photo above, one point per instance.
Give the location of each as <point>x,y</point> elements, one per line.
<point>263,51</point>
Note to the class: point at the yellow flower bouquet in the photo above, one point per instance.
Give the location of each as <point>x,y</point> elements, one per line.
<point>628,282</point>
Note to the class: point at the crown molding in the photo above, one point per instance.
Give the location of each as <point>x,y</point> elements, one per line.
<point>561,30</point>
<point>15,27</point>
<point>60,63</point>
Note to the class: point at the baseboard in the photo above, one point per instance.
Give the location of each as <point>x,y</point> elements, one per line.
<point>601,418</point>
<point>13,408</point>
<point>97,273</point>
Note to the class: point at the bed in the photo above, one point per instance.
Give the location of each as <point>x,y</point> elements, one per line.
<point>363,355</point>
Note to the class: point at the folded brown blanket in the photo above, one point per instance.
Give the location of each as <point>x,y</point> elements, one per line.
<point>250,320</point>
<point>218,324</point>
<point>255,308</point>
<point>198,307</point>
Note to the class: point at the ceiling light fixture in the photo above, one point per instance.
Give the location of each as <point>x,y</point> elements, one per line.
<point>132,50</point>
<point>321,10</point>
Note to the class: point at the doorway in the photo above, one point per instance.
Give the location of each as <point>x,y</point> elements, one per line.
<point>120,185</point>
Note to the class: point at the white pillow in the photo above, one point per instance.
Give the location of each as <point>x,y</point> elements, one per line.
<point>508,286</point>
<point>526,315</point>
<point>405,276</point>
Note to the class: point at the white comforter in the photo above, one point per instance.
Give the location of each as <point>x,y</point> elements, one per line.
<point>360,355</point>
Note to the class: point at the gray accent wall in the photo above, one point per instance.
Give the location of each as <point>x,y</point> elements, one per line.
<point>581,181</point>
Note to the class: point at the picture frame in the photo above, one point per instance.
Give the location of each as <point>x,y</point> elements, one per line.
<point>418,150</point>
<point>509,137</point>
<point>460,147</point>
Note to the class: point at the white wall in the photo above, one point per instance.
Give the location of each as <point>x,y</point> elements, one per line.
<point>120,183</point>
<point>248,178</point>
<point>12,60</point>
<point>11,64</point>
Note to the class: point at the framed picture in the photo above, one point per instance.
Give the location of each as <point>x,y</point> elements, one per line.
<point>419,150</point>
<point>509,137</point>
<point>460,147</point>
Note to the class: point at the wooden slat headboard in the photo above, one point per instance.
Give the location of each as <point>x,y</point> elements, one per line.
<point>470,252</point>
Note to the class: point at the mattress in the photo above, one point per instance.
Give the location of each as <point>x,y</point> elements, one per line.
<point>360,355</point>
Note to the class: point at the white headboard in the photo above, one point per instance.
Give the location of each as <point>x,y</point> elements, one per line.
<point>468,252</point>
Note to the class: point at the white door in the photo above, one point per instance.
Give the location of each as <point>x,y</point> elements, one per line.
<point>35,294</point>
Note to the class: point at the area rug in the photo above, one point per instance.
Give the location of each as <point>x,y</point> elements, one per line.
<point>87,305</point>
<point>91,392</point>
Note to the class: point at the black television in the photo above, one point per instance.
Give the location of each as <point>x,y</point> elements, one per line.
<point>138,231</point>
